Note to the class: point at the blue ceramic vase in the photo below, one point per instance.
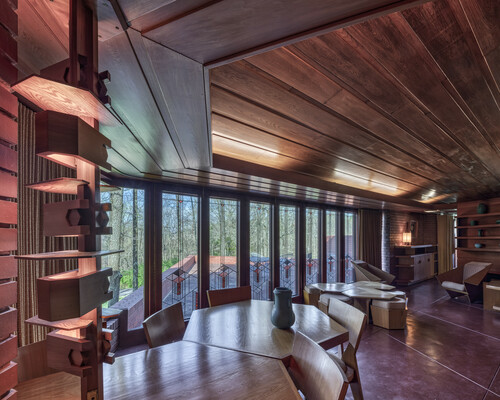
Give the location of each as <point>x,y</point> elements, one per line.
<point>282,315</point>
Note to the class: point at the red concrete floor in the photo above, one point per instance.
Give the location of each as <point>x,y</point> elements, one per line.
<point>449,350</point>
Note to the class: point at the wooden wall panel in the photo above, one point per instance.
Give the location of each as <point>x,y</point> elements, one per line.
<point>8,188</point>
<point>8,349</point>
<point>8,73</point>
<point>8,294</point>
<point>8,239</point>
<point>8,17</point>
<point>8,212</point>
<point>8,129</point>
<point>8,377</point>
<point>9,44</point>
<point>8,267</point>
<point>8,158</point>
<point>8,102</point>
<point>8,322</point>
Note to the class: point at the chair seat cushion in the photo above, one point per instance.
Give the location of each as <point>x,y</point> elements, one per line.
<point>349,372</point>
<point>395,303</point>
<point>325,298</point>
<point>457,287</point>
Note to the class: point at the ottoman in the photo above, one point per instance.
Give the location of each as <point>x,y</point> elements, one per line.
<point>389,314</point>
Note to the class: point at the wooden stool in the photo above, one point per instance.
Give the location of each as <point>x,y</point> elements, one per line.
<point>389,314</point>
<point>311,295</point>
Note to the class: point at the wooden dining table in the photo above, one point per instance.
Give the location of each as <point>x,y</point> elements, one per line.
<point>177,371</point>
<point>187,370</point>
<point>246,326</point>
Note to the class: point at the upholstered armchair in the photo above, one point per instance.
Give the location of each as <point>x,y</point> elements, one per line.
<point>466,280</point>
<point>368,272</point>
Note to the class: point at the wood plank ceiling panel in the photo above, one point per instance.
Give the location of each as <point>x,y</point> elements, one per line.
<point>297,73</point>
<point>43,35</point>
<point>246,182</point>
<point>248,84</point>
<point>144,139</point>
<point>315,166</point>
<point>285,179</point>
<point>274,144</point>
<point>412,65</point>
<point>456,51</point>
<point>228,27</point>
<point>483,15</point>
<point>228,105</point>
<point>338,56</point>
<point>402,107</point>
<point>144,15</point>
<point>178,86</point>
<point>410,96</point>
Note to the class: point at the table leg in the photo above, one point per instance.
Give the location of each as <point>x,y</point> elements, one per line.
<point>363,305</point>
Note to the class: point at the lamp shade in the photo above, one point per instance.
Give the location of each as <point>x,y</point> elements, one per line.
<point>407,237</point>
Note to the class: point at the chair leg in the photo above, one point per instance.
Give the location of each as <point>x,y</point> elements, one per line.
<point>355,384</point>
<point>349,357</point>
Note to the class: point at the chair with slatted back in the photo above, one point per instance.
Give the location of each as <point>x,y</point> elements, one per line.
<point>354,321</point>
<point>314,372</point>
<point>225,296</point>
<point>165,326</point>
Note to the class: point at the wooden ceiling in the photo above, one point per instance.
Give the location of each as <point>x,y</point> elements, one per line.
<point>367,103</point>
<point>405,104</point>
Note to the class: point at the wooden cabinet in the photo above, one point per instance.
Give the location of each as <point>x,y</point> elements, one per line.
<point>491,295</point>
<point>478,234</point>
<point>415,263</point>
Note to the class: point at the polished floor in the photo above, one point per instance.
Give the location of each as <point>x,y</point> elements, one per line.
<point>449,350</point>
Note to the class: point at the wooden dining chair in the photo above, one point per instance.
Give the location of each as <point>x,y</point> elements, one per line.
<point>314,372</point>
<point>354,321</point>
<point>225,296</point>
<point>165,326</point>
